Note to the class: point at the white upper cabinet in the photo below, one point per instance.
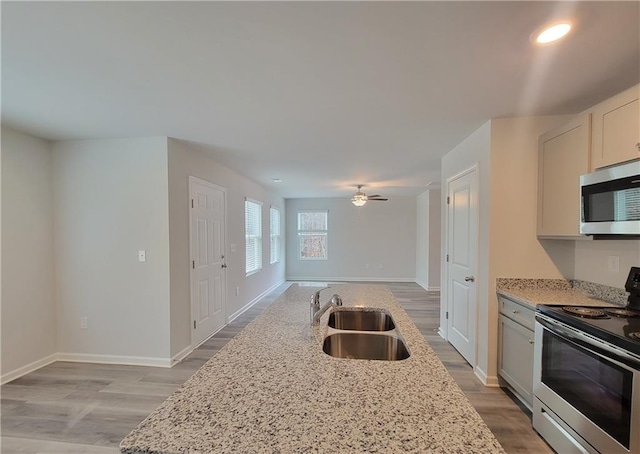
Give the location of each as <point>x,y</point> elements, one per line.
<point>563,157</point>
<point>616,129</point>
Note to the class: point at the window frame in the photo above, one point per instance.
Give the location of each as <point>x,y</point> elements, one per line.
<point>312,231</point>
<point>258,247</point>
<point>275,252</point>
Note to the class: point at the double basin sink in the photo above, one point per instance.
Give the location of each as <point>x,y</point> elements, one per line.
<point>363,333</point>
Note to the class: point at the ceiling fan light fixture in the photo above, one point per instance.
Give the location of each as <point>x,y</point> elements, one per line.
<point>359,199</point>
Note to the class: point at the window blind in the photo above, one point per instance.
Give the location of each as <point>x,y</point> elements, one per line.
<point>253,235</point>
<point>274,217</point>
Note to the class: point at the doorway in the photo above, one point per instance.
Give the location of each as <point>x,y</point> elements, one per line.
<point>461,261</point>
<point>207,227</point>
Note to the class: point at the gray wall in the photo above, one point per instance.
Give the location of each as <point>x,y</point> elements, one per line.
<point>428,240</point>
<point>28,303</point>
<point>185,160</point>
<point>110,200</point>
<point>381,235</point>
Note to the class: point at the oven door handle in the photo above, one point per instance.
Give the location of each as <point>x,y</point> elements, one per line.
<point>589,343</point>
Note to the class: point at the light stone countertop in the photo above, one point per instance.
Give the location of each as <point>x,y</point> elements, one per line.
<point>532,292</point>
<point>272,389</point>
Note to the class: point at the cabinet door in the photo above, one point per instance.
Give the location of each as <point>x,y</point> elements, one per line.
<point>515,360</point>
<point>563,157</point>
<point>616,129</point>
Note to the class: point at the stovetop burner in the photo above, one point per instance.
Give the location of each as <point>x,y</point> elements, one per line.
<point>585,312</point>
<point>621,312</point>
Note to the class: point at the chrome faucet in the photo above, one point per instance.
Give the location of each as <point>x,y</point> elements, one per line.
<point>317,311</point>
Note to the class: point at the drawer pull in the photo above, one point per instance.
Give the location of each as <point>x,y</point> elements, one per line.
<point>515,311</point>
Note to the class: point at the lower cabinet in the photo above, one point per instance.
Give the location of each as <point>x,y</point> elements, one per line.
<point>515,358</point>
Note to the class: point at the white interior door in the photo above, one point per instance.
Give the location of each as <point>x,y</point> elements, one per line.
<point>462,250</point>
<point>208,266</point>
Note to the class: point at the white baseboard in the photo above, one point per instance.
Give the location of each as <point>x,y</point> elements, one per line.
<point>426,287</point>
<point>442,333</point>
<point>114,359</point>
<point>352,279</point>
<point>24,370</point>
<point>247,306</point>
<point>181,355</point>
<point>488,381</point>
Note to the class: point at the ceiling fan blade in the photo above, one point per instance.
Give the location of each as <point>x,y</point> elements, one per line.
<point>375,196</point>
<point>379,200</point>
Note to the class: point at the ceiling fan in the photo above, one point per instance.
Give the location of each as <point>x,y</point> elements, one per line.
<point>360,198</point>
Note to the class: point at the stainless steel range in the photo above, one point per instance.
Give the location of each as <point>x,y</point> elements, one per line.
<point>587,376</point>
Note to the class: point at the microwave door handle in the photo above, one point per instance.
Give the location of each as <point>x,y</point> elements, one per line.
<point>587,342</point>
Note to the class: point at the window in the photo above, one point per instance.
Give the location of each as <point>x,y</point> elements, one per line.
<point>253,235</point>
<point>312,235</point>
<point>274,221</point>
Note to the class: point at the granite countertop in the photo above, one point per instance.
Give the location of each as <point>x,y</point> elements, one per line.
<point>272,389</point>
<point>559,291</point>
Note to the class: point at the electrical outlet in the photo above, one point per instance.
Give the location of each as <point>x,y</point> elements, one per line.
<point>142,256</point>
<point>613,264</point>
<point>84,323</point>
<point>233,247</point>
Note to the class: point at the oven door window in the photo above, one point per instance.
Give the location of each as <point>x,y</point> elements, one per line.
<point>597,388</point>
<point>617,200</point>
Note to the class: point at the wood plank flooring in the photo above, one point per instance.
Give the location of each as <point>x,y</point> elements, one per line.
<point>88,408</point>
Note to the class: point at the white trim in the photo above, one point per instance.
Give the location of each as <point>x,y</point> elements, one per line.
<point>181,355</point>
<point>249,199</point>
<point>247,306</point>
<point>115,359</point>
<point>427,288</point>
<point>351,279</point>
<point>442,333</point>
<point>488,381</point>
<point>26,369</point>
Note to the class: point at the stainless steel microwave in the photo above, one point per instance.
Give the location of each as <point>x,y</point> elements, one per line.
<point>611,200</point>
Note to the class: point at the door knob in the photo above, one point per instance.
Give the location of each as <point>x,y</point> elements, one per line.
<point>224,265</point>
<point>469,279</point>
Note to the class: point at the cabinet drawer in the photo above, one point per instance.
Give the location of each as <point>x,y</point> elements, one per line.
<point>517,312</point>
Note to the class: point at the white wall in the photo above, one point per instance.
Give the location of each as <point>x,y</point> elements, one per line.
<point>435,238</point>
<point>507,153</point>
<point>428,239</point>
<point>28,303</point>
<point>422,240</point>
<point>110,200</point>
<point>475,149</point>
<point>185,160</point>
<point>380,234</point>
<point>591,258</point>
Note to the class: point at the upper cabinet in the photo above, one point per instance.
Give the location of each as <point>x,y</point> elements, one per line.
<point>563,157</point>
<point>616,129</point>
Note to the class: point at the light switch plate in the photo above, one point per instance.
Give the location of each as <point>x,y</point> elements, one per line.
<point>142,256</point>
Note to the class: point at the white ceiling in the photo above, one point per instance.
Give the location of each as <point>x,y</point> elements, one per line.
<point>324,95</point>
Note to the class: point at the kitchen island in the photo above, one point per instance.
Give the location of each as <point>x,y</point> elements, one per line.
<point>273,389</point>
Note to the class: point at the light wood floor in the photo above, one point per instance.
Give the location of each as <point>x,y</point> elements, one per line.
<point>88,408</point>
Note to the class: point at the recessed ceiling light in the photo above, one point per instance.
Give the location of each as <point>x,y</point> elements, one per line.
<point>276,180</point>
<point>553,33</point>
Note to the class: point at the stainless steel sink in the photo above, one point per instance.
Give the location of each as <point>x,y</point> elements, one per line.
<point>365,346</point>
<point>359,320</point>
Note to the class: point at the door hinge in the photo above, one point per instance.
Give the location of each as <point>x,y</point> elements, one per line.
<point>193,264</point>
<point>192,203</point>
<point>446,315</point>
<point>447,258</point>
<point>194,324</point>
<point>448,200</point>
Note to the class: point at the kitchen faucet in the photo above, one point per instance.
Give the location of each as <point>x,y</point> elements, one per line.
<point>317,311</point>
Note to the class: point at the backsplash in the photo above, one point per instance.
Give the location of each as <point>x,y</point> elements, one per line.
<point>600,291</point>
